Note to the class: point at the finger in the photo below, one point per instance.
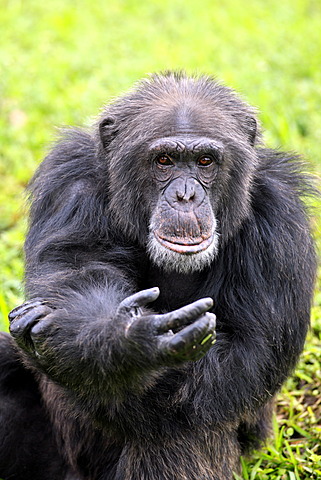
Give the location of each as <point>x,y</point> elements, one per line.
<point>42,328</point>
<point>183,316</point>
<point>193,335</point>
<point>22,325</point>
<point>139,299</point>
<point>23,309</point>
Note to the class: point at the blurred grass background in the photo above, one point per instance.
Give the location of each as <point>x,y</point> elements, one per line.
<point>61,61</point>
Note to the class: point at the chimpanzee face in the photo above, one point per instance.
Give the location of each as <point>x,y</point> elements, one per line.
<point>183,233</point>
<point>180,166</point>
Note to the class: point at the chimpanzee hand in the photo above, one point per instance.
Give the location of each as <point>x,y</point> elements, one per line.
<point>163,339</point>
<point>24,321</point>
<point>181,335</point>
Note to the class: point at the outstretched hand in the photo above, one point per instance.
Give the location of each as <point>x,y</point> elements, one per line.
<point>181,335</point>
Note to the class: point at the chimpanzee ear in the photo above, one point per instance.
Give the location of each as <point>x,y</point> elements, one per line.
<point>251,128</point>
<point>107,130</point>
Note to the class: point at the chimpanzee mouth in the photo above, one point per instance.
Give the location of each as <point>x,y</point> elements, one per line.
<point>185,246</point>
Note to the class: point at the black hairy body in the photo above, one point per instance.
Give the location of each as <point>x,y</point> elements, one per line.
<point>168,212</point>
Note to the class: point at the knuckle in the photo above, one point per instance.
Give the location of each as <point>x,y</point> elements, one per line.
<point>177,342</point>
<point>125,303</point>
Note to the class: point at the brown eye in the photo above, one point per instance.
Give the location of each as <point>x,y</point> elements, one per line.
<point>205,161</point>
<point>164,160</point>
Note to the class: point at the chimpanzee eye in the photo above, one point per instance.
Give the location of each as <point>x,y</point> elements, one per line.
<point>164,160</point>
<point>205,161</point>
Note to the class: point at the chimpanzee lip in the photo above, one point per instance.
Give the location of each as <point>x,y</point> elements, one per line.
<point>185,246</point>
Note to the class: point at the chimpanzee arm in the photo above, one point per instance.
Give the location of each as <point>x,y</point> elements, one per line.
<point>92,338</point>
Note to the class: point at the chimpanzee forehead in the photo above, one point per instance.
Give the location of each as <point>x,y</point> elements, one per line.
<point>184,143</point>
<point>189,119</point>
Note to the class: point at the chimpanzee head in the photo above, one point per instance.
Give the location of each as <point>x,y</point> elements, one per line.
<point>179,156</point>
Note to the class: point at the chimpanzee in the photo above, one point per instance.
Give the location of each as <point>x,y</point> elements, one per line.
<point>168,211</point>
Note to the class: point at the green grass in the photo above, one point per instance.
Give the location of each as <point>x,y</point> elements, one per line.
<point>60,61</point>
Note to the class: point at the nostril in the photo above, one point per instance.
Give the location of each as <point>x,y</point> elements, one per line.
<point>185,197</point>
<point>186,191</point>
<point>180,196</point>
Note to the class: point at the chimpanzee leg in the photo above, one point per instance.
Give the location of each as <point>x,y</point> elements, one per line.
<point>27,446</point>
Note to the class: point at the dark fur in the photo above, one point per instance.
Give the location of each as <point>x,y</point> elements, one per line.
<point>119,415</point>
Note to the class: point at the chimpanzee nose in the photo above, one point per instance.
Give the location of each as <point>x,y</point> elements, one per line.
<point>186,191</point>
<point>184,194</point>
